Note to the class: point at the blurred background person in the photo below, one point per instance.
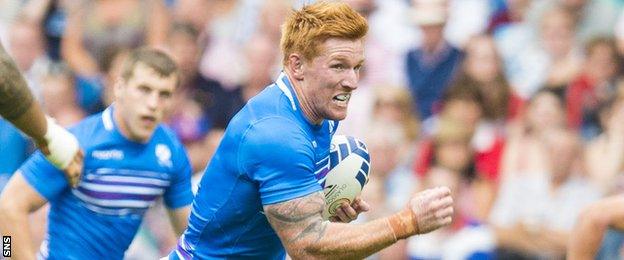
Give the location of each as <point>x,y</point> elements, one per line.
<point>594,17</point>
<point>551,60</point>
<point>27,46</point>
<point>96,28</point>
<point>202,104</point>
<point>453,166</point>
<point>604,156</point>
<point>431,67</point>
<point>536,211</point>
<point>595,84</point>
<point>542,189</point>
<point>59,96</point>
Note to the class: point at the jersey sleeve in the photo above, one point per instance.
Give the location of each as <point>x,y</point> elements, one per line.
<point>179,193</point>
<point>280,159</point>
<point>46,179</point>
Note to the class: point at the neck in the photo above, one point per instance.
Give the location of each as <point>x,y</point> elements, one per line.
<point>304,103</point>
<point>121,125</point>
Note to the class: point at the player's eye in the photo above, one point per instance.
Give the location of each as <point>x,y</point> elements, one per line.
<point>165,94</point>
<point>338,66</point>
<point>144,89</point>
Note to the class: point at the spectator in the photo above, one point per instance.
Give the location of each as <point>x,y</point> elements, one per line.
<point>524,150</point>
<point>99,25</point>
<point>59,96</point>
<point>552,60</point>
<point>483,69</point>
<point>453,166</point>
<point>593,18</point>
<point>201,104</point>
<point>27,47</point>
<point>463,104</point>
<point>604,156</point>
<point>263,64</point>
<point>595,85</point>
<point>536,209</point>
<point>431,66</point>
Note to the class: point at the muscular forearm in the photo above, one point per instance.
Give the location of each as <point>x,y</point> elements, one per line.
<point>343,241</point>
<point>33,123</point>
<point>306,235</point>
<point>303,232</point>
<point>15,224</point>
<point>15,97</point>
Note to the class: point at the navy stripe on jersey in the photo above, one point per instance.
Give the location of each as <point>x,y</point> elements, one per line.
<point>120,191</point>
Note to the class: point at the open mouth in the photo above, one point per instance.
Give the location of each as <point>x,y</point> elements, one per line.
<point>342,99</point>
<point>150,120</point>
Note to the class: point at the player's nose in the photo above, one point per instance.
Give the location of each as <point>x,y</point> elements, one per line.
<point>351,80</point>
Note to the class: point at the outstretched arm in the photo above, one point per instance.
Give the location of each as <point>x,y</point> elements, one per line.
<point>592,225</point>
<point>17,201</point>
<point>303,232</point>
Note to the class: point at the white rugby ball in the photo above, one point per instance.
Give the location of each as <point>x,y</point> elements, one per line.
<point>348,172</point>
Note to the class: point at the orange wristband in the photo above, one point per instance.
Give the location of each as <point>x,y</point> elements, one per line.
<point>403,224</point>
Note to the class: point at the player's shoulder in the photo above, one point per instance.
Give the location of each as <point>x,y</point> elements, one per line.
<point>164,134</point>
<point>86,127</point>
<point>276,131</point>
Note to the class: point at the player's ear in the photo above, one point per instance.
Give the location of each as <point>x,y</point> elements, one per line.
<point>295,65</point>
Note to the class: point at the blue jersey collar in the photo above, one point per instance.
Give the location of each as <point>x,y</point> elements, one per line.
<point>283,83</point>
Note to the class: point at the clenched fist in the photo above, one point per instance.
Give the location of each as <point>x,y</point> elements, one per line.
<point>427,211</point>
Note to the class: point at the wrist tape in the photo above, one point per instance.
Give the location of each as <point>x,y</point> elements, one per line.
<point>403,224</point>
<point>62,145</point>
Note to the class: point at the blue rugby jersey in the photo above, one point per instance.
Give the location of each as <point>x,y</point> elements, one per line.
<point>121,180</point>
<point>270,153</point>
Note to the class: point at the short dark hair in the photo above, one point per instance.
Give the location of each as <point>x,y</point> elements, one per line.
<point>153,58</point>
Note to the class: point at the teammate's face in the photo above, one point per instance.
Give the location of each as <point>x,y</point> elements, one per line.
<point>142,101</point>
<point>331,77</point>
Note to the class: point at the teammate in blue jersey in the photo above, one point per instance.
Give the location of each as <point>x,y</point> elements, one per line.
<point>260,197</point>
<point>130,161</point>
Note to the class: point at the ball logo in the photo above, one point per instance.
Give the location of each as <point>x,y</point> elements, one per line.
<point>164,155</point>
<point>349,166</point>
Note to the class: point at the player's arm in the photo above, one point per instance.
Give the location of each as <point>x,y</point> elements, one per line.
<point>178,196</point>
<point>17,106</point>
<point>179,219</point>
<point>16,101</point>
<point>17,201</point>
<point>592,225</point>
<point>303,232</point>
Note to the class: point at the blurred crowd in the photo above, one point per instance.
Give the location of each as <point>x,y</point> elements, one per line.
<point>517,105</point>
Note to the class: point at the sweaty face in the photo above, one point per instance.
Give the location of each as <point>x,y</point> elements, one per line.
<point>330,78</point>
<point>142,101</point>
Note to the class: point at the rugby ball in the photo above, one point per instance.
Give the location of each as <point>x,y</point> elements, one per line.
<point>348,172</point>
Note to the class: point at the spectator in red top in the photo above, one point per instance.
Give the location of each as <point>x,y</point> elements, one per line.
<point>593,86</point>
<point>466,104</point>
